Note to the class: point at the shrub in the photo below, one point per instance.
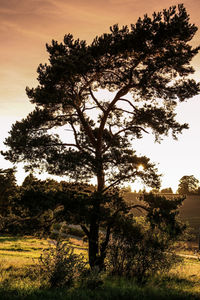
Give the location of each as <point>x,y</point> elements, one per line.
<point>59,266</point>
<point>139,253</point>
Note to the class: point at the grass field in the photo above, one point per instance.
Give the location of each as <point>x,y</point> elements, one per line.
<point>18,258</point>
<point>24,250</point>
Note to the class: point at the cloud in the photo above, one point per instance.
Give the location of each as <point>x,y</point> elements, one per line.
<point>26,6</point>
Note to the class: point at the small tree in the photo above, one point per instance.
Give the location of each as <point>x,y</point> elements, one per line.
<point>140,250</point>
<point>59,266</point>
<point>150,62</point>
<point>188,185</point>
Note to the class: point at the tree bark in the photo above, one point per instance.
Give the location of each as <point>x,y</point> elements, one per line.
<point>94,241</point>
<point>94,251</point>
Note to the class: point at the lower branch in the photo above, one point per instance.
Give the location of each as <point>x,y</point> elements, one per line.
<point>86,231</point>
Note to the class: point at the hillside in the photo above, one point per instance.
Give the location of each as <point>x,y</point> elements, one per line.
<point>189,211</point>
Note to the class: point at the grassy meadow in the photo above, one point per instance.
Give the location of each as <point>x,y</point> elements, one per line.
<point>19,269</point>
<point>19,279</point>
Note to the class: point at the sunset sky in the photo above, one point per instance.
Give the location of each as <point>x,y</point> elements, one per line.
<point>27,25</point>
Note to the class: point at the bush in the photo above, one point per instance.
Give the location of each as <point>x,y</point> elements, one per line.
<point>139,253</point>
<point>189,234</point>
<point>59,266</point>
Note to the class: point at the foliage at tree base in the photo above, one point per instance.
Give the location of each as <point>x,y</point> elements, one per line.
<point>139,251</point>
<point>113,289</point>
<point>59,266</point>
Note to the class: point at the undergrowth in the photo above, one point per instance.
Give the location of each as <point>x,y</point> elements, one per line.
<point>19,281</point>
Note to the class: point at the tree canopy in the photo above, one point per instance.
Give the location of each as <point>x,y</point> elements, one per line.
<point>8,189</point>
<point>151,61</point>
<point>188,184</point>
<point>146,69</point>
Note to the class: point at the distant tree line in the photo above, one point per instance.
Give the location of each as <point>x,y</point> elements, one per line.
<point>188,185</point>
<point>37,205</point>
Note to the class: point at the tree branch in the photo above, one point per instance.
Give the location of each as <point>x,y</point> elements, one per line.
<point>129,128</point>
<point>86,126</point>
<point>123,91</point>
<point>95,100</point>
<point>75,135</point>
<point>129,102</point>
<point>123,130</point>
<point>114,183</point>
<point>89,108</point>
<point>77,142</point>
<point>126,111</point>
<point>69,145</point>
<point>111,72</point>
<point>85,230</point>
<point>110,129</point>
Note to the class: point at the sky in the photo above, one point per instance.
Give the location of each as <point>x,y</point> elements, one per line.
<point>27,25</point>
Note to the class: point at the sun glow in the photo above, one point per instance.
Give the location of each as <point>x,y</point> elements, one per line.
<point>140,168</point>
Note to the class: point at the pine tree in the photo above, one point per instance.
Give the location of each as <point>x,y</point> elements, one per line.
<point>149,61</point>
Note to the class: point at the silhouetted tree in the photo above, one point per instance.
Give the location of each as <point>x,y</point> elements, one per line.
<point>8,190</point>
<point>188,184</point>
<point>150,62</point>
<point>33,208</point>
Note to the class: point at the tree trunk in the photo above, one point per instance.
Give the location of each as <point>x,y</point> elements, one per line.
<point>94,251</point>
<point>94,242</point>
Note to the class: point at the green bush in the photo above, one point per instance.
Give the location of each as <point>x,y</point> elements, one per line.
<point>139,253</point>
<point>59,266</point>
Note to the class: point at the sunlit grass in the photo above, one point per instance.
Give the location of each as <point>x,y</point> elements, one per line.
<point>19,279</point>
<point>21,248</point>
<point>185,277</point>
<point>21,251</point>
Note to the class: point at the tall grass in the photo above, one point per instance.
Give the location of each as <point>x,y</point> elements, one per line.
<point>18,279</point>
<point>112,289</point>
